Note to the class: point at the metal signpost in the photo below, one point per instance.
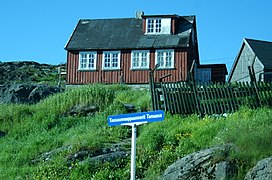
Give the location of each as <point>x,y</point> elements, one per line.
<point>134,120</point>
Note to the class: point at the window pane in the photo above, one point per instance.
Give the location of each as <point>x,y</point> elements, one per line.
<point>144,60</point>
<point>114,60</point>
<point>168,59</point>
<point>150,25</point>
<point>158,25</point>
<point>107,60</point>
<point>91,61</point>
<point>160,59</point>
<point>135,60</point>
<point>83,61</point>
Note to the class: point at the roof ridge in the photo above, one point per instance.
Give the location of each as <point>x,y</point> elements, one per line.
<point>249,39</point>
<point>88,19</point>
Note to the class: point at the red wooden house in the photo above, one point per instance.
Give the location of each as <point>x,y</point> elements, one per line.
<point>125,49</point>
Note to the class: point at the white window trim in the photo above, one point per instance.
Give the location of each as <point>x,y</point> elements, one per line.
<point>164,58</point>
<point>165,26</point>
<point>140,59</point>
<point>111,68</point>
<point>88,60</point>
<point>154,26</point>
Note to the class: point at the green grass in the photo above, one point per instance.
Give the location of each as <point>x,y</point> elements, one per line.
<point>36,129</point>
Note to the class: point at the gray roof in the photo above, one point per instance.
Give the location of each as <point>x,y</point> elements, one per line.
<point>263,50</point>
<point>126,33</point>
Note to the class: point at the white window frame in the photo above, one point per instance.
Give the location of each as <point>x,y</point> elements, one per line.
<point>110,61</point>
<point>88,64</point>
<point>153,25</point>
<point>162,60</point>
<point>157,26</point>
<point>143,55</point>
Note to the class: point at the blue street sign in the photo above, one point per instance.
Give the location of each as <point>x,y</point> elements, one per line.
<point>151,116</point>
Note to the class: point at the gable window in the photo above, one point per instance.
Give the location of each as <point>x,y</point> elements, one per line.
<point>165,58</point>
<point>158,25</point>
<point>139,59</point>
<point>87,60</point>
<point>153,26</point>
<point>111,60</point>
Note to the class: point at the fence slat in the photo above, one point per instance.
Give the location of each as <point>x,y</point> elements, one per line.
<point>181,99</point>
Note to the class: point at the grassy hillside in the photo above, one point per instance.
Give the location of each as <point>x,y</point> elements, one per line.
<point>34,130</point>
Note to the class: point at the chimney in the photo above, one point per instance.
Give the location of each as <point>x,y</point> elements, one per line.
<point>139,14</point>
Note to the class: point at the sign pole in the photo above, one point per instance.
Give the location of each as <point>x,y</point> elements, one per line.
<point>134,120</point>
<point>133,151</point>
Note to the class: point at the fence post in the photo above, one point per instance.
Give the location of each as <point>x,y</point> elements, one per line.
<point>152,87</point>
<point>253,81</point>
<point>193,86</point>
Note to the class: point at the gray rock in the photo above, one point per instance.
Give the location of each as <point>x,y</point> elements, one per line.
<point>25,93</point>
<point>108,154</point>
<point>109,157</point>
<point>40,92</point>
<point>130,108</point>
<point>262,171</point>
<point>48,155</point>
<point>2,134</point>
<point>82,110</point>
<point>204,164</point>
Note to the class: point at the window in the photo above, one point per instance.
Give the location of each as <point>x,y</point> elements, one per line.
<point>158,26</point>
<point>87,60</point>
<point>139,59</point>
<point>153,26</point>
<point>165,58</point>
<point>111,60</point>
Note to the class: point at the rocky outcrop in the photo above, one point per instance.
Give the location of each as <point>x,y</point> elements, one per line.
<point>48,155</point>
<point>205,164</point>
<point>108,154</point>
<point>17,81</point>
<point>25,93</point>
<point>22,72</point>
<point>262,171</point>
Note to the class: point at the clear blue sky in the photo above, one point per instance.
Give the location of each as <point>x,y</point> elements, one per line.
<point>38,30</point>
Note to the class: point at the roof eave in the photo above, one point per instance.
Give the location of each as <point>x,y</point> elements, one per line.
<point>160,16</point>
<point>236,61</point>
<point>125,48</point>
<point>69,40</point>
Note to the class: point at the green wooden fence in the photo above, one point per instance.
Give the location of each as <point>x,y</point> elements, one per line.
<point>207,99</point>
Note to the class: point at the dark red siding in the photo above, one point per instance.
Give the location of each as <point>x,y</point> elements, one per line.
<point>125,74</point>
<point>173,26</point>
<point>179,73</point>
<point>72,66</point>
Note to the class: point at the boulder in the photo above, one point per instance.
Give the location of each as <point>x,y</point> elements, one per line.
<point>40,92</point>
<point>2,134</point>
<point>82,110</point>
<point>262,171</point>
<point>109,157</point>
<point>205,164</point>
<point>130,108</point>
<point>25,93</point>
<point>108,154</point>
